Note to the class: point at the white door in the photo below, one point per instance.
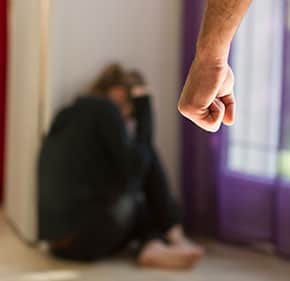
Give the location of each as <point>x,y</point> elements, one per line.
<point>23,109</point>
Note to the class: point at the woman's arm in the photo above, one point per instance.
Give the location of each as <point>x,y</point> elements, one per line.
<point>207,98</point>
<point>127,158</point>
<point>144,118</point>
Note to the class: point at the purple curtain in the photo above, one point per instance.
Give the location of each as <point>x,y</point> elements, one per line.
<point>197,146</point>
<point>283,198</point>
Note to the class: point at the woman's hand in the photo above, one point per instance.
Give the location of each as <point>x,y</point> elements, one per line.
<point>138,84</point>
<point>207,98</point>
<point>139,91</point>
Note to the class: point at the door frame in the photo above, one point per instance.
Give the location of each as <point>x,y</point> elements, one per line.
<point>3,61</point>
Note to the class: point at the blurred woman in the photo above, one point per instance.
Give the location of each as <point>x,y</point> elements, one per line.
<point>101,183</point>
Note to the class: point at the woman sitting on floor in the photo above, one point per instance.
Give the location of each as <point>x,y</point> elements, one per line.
<point>101,183</point>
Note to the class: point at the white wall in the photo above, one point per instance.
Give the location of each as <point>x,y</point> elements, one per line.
<point>144,34</point>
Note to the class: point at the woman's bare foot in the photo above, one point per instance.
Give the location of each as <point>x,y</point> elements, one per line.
<point>159,255</point>
<point>177,237</point>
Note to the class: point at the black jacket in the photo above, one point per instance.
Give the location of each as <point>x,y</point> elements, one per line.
<point>86,160</point>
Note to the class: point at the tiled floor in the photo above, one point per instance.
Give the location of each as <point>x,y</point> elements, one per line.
<point>222,263</point>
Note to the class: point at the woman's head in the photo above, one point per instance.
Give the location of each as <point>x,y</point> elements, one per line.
<point>118,85</point>
<point>112,83</point>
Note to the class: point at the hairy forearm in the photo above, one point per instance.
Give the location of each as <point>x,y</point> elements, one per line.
<point>221,20</point>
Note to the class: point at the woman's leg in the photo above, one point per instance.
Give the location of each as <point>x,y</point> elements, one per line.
<point>88,247</point>
<point>155,251</point>
<point>159,199</point>
<point>107,233</point>
<point>164,219</point>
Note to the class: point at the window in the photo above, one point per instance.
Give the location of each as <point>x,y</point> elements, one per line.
<point>257,63</point>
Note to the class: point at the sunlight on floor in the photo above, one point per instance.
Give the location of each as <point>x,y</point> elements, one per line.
<point>51,276</point>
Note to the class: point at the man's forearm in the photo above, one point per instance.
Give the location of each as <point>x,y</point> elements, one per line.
<point>220,22</point>
<point>207,98</point>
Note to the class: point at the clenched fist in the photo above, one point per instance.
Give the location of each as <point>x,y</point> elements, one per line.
<point>207,98</point>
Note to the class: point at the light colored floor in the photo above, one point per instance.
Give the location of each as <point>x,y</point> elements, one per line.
<point>18,262</point>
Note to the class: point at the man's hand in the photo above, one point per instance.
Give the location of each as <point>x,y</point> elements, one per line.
<point>207,98</point>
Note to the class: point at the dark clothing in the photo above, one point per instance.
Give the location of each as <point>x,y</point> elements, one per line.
<point>93,181</point>
<point>153,215</point>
